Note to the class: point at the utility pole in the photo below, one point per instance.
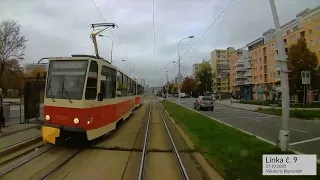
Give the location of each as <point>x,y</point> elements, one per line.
<point>284,131</point>
<point>167,83</point>
<point>179,74</point>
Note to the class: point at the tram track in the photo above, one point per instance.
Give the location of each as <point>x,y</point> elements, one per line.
<point>118,156</point>
<point>148,151</point>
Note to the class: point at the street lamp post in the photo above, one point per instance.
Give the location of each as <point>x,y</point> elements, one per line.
<point>284,132</point>
<point>167,76</point>
<point>179,74</point>
<point>130,66</point>
<point>100,35</point>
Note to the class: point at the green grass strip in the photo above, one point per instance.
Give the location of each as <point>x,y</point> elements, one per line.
<point>232,153</point>
<point>294,113</point>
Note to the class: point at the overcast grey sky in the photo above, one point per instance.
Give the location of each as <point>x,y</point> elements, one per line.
<point>60,28</point>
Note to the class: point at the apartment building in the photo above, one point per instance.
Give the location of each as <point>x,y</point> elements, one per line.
<point>220,67</point>
<point>263,50</point>
<point>240,74</point>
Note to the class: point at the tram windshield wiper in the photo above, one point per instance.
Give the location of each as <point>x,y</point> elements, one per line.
<point>50,90</point>
<point>65,90</point>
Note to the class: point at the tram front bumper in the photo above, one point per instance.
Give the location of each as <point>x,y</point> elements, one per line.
<point>49,134</point>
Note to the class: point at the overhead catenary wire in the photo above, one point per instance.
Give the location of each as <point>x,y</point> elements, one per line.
<point>205,32</point>
<point>114,35</point>
<point>154,38</point>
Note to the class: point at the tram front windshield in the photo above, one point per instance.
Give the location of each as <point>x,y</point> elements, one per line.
<point>66,79</point>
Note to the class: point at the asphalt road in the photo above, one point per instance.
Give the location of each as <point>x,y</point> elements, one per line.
<point>304,134</point>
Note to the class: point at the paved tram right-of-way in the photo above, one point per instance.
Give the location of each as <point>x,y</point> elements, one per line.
<point>304,134</point>
<point>145,146</point>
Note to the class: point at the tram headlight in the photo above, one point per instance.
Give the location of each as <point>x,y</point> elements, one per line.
<point>47,117</point>
<point>76,121</point>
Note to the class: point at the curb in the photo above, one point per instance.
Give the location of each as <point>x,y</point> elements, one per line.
<point>21,130</point>
<point>317,121</point>
<point>20,145</point>
<point>263,139</point>
<point>202,162</point>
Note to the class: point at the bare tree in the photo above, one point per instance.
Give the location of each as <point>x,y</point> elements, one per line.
<point>12,43</point>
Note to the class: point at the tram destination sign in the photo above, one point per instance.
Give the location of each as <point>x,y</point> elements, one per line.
<point>63,65</point>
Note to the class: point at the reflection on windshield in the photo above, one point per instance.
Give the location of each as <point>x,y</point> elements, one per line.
<point>65,83</point>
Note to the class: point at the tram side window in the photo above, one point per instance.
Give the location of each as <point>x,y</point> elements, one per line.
<point>91,89</point>
<point>134,87</point>
<point>125,86</point>
<point>119,84</point>
<point>129,87</point>
<point>108,82</point>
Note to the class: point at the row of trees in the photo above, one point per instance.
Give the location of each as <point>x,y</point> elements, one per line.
<point>202,82</point>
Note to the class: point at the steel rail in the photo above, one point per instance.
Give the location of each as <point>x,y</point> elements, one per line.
<point>176,153</point>
<point>144,151</point>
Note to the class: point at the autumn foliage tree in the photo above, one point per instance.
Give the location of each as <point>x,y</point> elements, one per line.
<point>12,43</point>
<point>188,85</point>
<point>173,88</point>
<point>12,75</point>
<point>302,59</point>
<point>204,76</point>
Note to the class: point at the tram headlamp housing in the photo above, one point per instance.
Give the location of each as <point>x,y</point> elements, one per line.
<point>47,118</point>
<point>76,121</point>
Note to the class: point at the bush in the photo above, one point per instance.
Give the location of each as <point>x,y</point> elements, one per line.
<point>300,105</point>
<point>301,114</point>
<point>256,102</point>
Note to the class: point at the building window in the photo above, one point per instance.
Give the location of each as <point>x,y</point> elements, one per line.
<point>302,35</point>
<point>295,28</point>
<point>260,77</point>
<point>318,27</point>
<point>319,40</point>
<point>310,31</point>
<point>312,42</point>
<point>260,68</point>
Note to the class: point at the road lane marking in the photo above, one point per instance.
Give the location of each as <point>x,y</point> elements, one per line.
<point>295,129</point>
<point>305,141</point>
<point>246,132</point>
<point>263,139</point>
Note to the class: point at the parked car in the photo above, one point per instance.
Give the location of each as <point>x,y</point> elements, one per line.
<point>204,102</point>
<point>183,95</point>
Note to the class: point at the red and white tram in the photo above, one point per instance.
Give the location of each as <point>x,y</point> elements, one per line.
<point>86,97</point>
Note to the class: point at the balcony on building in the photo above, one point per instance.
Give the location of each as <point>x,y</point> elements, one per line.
<point>239,66</point>
<point>248,73</point>
<point>240,75</point>
<point>278,78</point>
<point>248,81</point>
<point>247,65</point>
<point>239,82</point>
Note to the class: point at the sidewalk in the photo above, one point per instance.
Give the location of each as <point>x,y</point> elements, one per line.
<point>252,107</point>
<point>10,130</point>
<point>249,107</point>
